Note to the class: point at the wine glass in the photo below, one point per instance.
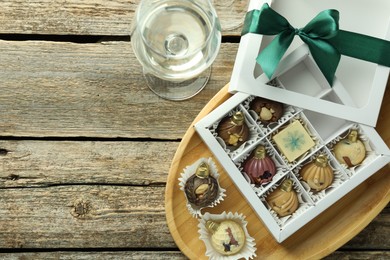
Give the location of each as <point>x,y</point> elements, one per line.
<point>176,41</point>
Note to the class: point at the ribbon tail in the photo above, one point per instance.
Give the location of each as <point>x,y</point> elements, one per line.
<point>362,47</point>
<point>325,55</point>
<point>271,55</point>
<point>264,21</point>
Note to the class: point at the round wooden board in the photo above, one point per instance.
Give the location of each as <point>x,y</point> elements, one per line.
<point>320,237</point>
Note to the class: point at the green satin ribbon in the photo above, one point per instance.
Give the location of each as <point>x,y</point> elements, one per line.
<point>323,37</point>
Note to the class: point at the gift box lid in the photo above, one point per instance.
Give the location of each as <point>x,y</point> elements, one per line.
<point>303,84</point>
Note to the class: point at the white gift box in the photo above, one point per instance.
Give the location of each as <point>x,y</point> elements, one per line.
<point>326,130</point>
<point>327,113</point>
<point>365,82</point>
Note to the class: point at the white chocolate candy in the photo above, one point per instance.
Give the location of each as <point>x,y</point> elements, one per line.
<point>293,141</point>
<point>227,237</point>
<point>350,151</point>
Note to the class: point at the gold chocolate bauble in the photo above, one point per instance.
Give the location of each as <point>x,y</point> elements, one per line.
<point>233,130</point>
<point>350,150</point>
<point>201,188</point>
<point>283,200</point>
<point>227,236</point>
<point>318,174</point>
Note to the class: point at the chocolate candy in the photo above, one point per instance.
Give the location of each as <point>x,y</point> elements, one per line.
<point>350,150</point>
<point>227,236</point>
<point>260,167</point>
<point>284,200</point>
<point>293,141</point>
<point>233,130</point>
<point>201,188</point>
<point>318,174</point>
<point>267,110</point>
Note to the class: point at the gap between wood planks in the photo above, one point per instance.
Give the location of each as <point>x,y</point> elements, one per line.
<point>80,138</point>
<point>101,184</point>
<point>62,38</point>
<point>83,38</point>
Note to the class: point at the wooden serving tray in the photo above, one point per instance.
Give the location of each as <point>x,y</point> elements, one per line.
<point>320,237</point>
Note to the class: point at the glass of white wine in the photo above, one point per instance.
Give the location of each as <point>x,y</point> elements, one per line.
<point>176,42</point>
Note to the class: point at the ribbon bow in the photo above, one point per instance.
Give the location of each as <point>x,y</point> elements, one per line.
<point>322,35</point>
<point>315,34</point>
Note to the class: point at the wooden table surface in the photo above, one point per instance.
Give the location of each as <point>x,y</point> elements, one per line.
<point>85,146</point>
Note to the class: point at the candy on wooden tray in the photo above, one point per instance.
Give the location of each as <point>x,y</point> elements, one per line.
<point>201,188</point>
<point>199,182</point>
<point>226,236</point>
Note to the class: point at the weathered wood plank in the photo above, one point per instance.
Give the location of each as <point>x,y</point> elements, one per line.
<point>43,163</point>
<point>67,17</point>
<point>65,89</point>
<point>161,255</point>
<point>84,217</point>
<point>359,255</point>
<point>97,216</point>
<point>134,255</point>
<point>77,17</point>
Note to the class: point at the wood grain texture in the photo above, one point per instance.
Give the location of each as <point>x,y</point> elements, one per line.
<point>106,216</point>
<point>76,17</point>
<point>93,90</point>
<point>138,255</point>
<point>84,217</point>
<point>359,255</point>
<point>45,163</point>
<point>168,255</point>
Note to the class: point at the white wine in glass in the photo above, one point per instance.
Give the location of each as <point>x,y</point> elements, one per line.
<point>176,41</point>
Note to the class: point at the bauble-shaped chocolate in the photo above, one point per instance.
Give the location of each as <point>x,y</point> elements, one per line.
<point>283,200</point>
<point>201,189</point>
<point>318,174</point>
<point>233,130</point>
<point>350,150</point>
<point>227,236</point>
<point>259,167</point>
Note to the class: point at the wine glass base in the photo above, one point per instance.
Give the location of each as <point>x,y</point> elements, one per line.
<point>177,91</point>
